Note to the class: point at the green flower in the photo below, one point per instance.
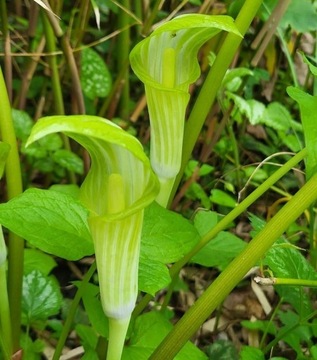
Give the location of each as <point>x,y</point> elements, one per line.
<point>117,188</point>
<point>166,62</point>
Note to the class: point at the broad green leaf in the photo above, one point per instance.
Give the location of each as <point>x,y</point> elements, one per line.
<point>195,192</point>
<point>69,160</point>
<point>265,326</point>
<point>291,141</point>
<point>301,16</point>
<point>153,274</point>
<point>249,352</point>
<point>88,336</point>
<point>149,330</point>
<point>32,350</point>
<point>204,169</point>
<point>22,124</point>
<point>51,221</point>
<point>94,310</point>
<point>241,104</point>
<point>52,142</point>
<point>37,260</point>
<point>287,262</point>
<point>312,67</point>
<point>41,297</point>
<point>222,350</point>
<point>308,109</point>
<point>278,117</point>
<point>229,81</point>
<point>222,198</point>
<point>68,189</point>
<point>95,77</point>
<point>299,335</point>
<point>257,109</point>
<point>89,340</point>
<point>166,237</point>
<point>220,250</point>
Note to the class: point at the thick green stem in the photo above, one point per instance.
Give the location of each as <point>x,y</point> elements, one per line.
<point>14,188</point>
<point>117,332</point>
<point>235,271</point>
<point>5,320</point>
<point>165,190</point>
<point>212,83</point>
<point>228,219</point>
<point>122,55</point>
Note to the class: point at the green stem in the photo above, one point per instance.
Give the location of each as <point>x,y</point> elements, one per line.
<point>295,282</point>
<point>212,83</point>
<point>55,79</point>
<point>150,19</point>
<point>138,13</point>
<point>269,324</point>
<point>166,186</point>
<point>14,188</point>
<point>117,332</point>
<point>72,311</point>
<point>5,332</point>
<point>70,59</point>
<point>233,141</point>
<point>235,271</point>
<point>227,220</point>
<point>5,321</point>
<point>288,57</point>
<point>80,23</point>
<point>122,55</point>
<point>52,61</point>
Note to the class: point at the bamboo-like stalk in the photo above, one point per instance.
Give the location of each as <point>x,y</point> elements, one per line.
<point>14,188</point>
<point>235,271</point>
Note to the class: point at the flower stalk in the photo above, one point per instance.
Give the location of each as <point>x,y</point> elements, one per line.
<point>117,188</point>
<point>166,62</point>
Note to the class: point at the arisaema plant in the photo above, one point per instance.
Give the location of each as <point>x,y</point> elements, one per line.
<point>166,62</point>
<point>117,188</point>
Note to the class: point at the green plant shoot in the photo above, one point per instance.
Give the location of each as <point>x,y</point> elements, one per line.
<point>119,185</point>
<point>166,62</point>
